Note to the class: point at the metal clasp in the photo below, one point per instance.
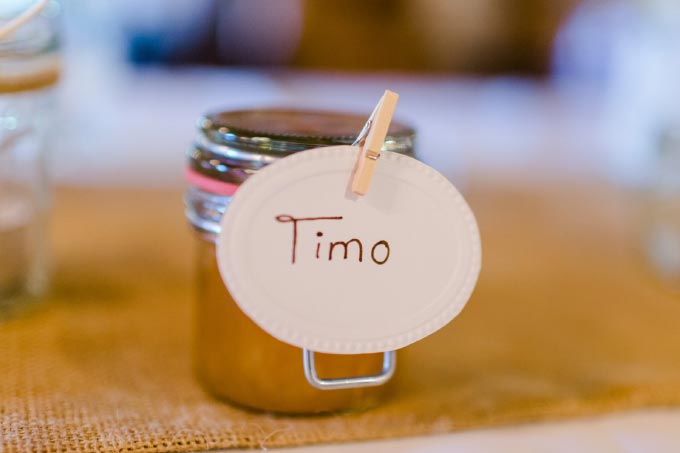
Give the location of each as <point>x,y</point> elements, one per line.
<point>388,366</point>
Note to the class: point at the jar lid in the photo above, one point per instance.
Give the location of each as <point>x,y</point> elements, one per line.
<point>230,146</point>
<point>278,132</point>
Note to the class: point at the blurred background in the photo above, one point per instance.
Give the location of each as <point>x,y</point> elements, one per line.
<point>583,85</point>
<point>556,87</point>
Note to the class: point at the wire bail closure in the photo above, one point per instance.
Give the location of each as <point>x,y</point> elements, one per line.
<point>388,366</point>
<point>370,139</point>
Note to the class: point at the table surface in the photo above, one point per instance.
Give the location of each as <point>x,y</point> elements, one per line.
<point>636,432</point>
<point>468,129</point>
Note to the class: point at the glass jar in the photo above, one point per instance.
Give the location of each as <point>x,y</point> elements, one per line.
<point>29,69</point>
<point>235,359</point>
<point>661,215</point>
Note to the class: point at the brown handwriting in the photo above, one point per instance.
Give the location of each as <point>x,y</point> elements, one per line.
<point>359,246</point>
<point>285,218</point>
<point>346,246</point>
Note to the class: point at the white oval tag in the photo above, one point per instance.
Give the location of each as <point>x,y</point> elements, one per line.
<point>321,268</point>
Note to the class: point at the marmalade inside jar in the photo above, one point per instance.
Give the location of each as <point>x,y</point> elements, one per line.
<point>238,361</point>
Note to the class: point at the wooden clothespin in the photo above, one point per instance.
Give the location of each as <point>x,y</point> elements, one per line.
<point>375,132</point>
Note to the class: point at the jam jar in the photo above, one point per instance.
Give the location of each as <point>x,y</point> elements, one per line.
<point>29,71</point>
<point>235,359</point>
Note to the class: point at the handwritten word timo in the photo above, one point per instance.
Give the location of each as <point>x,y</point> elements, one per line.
<point>378,256</point>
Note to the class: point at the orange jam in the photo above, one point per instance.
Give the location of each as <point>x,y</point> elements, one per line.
<point>235,359</point>
<point>241,363</point>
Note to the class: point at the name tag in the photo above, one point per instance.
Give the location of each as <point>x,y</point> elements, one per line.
<point>324,269</point>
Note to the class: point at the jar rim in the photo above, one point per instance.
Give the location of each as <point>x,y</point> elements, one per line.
<point>29,56</point>
<point>289,129</point>
<point>37,37</point>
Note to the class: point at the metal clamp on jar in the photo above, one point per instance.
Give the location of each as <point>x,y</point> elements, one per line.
<point>235,359</point>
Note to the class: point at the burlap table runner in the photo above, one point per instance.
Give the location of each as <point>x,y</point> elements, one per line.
<point>565,321</point>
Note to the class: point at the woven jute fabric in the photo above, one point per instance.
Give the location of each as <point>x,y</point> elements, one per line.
<point>566,321</point>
